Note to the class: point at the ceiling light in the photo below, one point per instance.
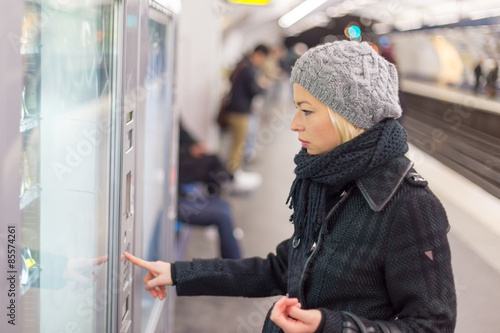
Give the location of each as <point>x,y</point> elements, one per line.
<point>381,28</point>
<point>251,2</point>
<point>482,14</point>
<point>442,19</point>
<point>299,12</point>
<point>404,25</point>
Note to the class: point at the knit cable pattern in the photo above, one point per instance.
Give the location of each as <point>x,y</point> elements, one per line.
<point>352,79</point>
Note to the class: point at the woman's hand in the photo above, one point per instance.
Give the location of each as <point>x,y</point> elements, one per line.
<point>288,315</point>
<point>157,277</point>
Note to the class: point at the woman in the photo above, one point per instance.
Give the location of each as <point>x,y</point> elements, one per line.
<point>369,250</point>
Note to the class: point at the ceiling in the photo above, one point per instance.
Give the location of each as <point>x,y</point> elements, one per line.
<point>399,14</point>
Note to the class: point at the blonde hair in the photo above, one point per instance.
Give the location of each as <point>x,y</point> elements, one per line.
<point>345,130</point>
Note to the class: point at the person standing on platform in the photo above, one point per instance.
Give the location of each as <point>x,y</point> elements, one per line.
<point>369,252</point>
<point>491,81</point>
<point>478,72</point>
<point>273,72</point>
<point>245,87</point>
<point>270,73</point>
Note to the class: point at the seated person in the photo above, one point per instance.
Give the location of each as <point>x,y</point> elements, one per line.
<point>201,205</point>
<point>196,165</point>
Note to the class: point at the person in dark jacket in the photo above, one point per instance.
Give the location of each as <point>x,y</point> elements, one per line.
<point>369,252</point>
<point>491,81</point>
<point>478,72</point>
<point>197,165</point>
<point>245,87</point>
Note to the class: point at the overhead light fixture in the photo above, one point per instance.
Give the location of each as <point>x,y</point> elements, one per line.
<point>299,12</point>
<point>381,28</point>
<point>405,25</point>
<point>442,19</point>
<point>251,2</point>
<point>174,5</point>
<point>482,14</point>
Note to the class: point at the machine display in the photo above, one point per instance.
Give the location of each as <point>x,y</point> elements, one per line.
<point>85,113</point>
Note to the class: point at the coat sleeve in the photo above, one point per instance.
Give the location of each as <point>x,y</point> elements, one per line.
<point>418,270</point>
<point>248,277</point>
<point>418,266</point>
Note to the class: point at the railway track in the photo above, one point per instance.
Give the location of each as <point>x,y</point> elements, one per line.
<point>466,140</point>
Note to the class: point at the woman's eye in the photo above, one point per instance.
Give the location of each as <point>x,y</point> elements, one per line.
<point>307,112</point>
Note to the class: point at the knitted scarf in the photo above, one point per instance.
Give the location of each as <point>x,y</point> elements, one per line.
<point>317,175</point>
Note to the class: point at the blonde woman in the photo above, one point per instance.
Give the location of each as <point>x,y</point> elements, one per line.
<point>369,252</point>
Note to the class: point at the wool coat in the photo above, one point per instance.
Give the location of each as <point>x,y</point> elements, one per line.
<point>382,253</point>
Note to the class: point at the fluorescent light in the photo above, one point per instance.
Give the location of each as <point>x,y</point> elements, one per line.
<point>381,28</point>
<point>173,5</point>
<point>482,14</point>
<point>336,11</point>
<point>405,25</point>
<point>442,19</point>
<point>318,19</point>
<point>251,2</point>
<point>299,12</point>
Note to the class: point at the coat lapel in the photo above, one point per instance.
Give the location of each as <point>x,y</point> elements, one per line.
<point>379,185</point>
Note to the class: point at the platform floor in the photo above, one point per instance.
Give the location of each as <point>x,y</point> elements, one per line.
<point>474,238</point>
<point>452,95</point>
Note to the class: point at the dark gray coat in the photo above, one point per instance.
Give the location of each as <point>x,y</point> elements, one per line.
<point>382,254</point>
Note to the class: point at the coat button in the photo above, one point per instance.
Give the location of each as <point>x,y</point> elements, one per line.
<point>296,242</point>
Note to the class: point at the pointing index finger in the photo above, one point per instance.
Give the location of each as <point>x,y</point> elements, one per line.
<point>137,261</point>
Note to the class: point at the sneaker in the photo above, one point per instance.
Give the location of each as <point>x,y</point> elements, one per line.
<point>238,233</point>
<point>245,181</point>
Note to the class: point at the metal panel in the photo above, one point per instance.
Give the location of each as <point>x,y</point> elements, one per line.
<point>167,324</point>
<point>137,283</point>
<point>128,174</point>
<point>116,162</point>
<point>10,178</point>
<point>156,161</point>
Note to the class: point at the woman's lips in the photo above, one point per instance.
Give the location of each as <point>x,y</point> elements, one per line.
<point>304,143</point>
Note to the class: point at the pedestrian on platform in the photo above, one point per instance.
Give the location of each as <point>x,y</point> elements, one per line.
<point>369,252</point>
<point>491,81</point>
<point>478,73</point>
<point>245,86</point>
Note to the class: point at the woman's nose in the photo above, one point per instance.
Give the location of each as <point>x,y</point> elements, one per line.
<point>296,123</point>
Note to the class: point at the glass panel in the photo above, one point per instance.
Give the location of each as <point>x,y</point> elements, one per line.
<point>155,150</point>
<point>64,195</point>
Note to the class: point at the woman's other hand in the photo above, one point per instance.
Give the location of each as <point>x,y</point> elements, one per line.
<point>288,314</point>
<point>157,277</point>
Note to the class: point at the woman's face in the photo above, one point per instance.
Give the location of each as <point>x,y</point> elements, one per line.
<point>312,122</point>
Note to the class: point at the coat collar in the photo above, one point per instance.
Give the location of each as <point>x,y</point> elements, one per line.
<point>380,184</point>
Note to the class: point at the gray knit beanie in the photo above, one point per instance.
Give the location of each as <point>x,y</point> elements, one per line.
<point>352,79</point>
